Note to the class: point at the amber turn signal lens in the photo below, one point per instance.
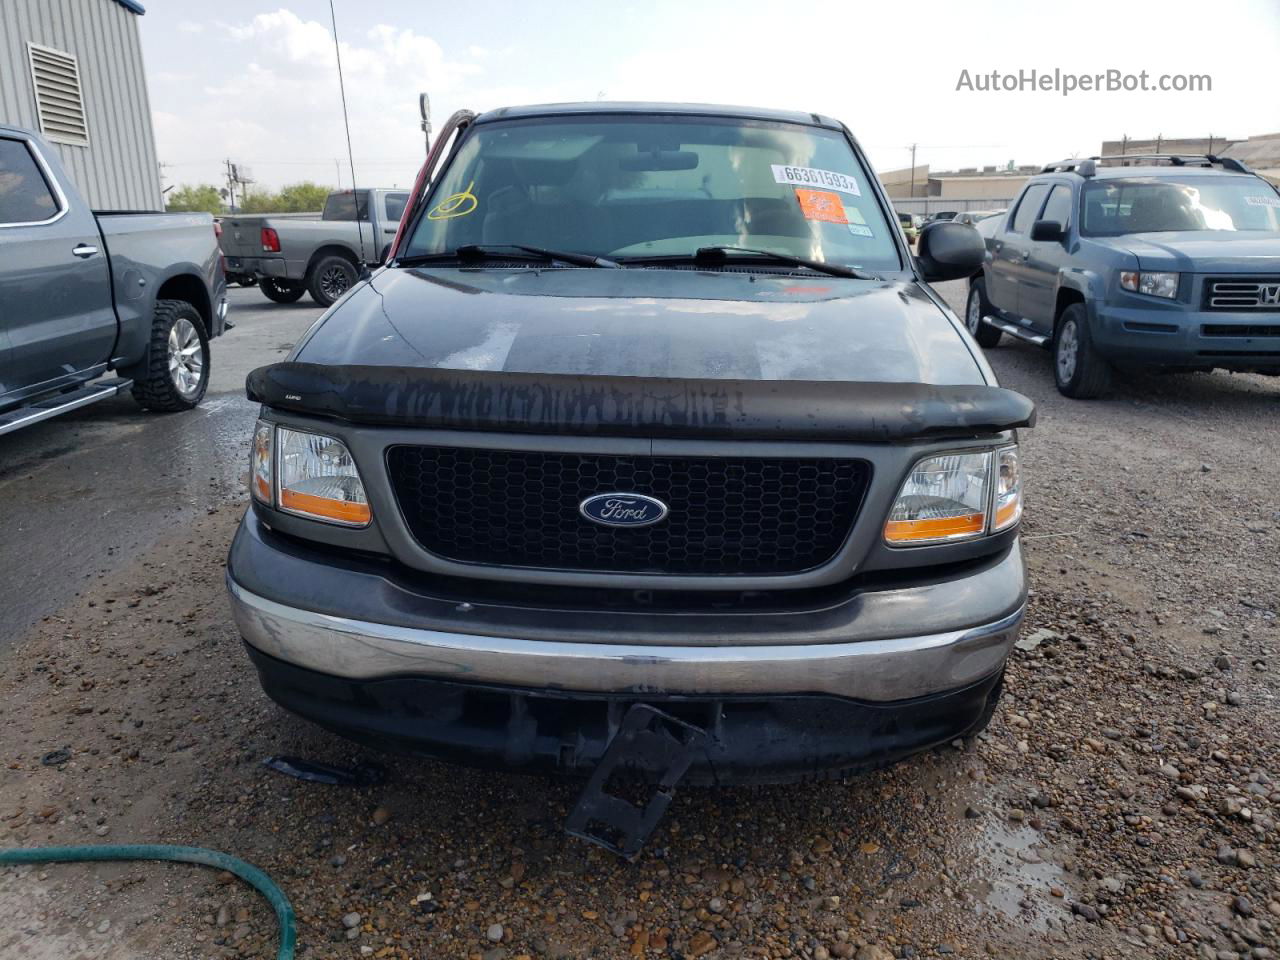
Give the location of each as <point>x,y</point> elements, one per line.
<point>943,528</point>
<point>260,465</point>
<point>340,511</point>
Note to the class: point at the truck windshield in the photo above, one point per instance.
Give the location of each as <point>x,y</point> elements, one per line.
<point>639,188</point>
<point>1113,208</point>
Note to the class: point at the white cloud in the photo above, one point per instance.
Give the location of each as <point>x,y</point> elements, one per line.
<point>276,104</point>
<point>190,26</point>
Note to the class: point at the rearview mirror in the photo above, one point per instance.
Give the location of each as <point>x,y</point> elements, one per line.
<point>1049,230</point>
<point>660,160</point>
<point>950,250</point>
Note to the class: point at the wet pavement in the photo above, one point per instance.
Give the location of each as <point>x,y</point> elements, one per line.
<point>83,492</point>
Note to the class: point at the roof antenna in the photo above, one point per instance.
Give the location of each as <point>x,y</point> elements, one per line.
<point>355,194</point>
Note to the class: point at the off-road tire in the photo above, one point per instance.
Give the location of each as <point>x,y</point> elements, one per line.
<point>281,291</point>
<point>1089,375</point>
<point>159,390</point>
<point>986,335</point>
<point>322,282</point>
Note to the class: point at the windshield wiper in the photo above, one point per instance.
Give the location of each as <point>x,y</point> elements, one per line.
<point>502,251</point>
<point>722,253</point>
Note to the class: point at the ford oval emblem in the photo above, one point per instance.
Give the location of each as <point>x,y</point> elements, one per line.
<point>623,509</point>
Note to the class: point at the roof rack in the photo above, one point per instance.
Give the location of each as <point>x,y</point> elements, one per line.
<point>1088,166</point>
<point>1081,165</point>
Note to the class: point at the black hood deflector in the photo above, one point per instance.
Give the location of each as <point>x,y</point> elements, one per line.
<point>507,402</point>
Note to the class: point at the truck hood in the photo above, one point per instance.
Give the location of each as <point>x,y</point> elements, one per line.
<point>1204,251</point>
<point>656,323</point>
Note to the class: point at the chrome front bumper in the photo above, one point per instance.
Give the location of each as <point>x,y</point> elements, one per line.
<point>877,670</point>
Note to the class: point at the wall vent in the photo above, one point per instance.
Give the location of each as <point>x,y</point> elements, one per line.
<point>55,75</point>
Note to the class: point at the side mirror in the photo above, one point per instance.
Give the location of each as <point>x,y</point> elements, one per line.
<point>950,251</point>
<point>1047,230</point>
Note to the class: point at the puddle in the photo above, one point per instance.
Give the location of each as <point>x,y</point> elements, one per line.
<point>1015,862</point>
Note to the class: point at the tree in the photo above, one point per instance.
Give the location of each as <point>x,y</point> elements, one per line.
<point>260,201</point>
<point>305,197</point>
<point>200,198</point>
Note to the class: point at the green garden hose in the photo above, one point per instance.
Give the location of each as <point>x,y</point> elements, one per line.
<point>160,851</point>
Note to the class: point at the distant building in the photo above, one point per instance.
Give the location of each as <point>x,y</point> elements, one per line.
<point>967,189</point>
<point>974,184</point>
<point>71,70</point>
<point>1191,145</point>
<point>907,182</point>
<point>1261,153</point>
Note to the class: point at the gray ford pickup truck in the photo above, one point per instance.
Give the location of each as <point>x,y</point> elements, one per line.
<point>293,254</point>
<point>649,446</point>
<point>92,304</point>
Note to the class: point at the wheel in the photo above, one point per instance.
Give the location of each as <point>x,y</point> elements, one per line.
<point>281,291</point>
<point>330,278</point>
<point>178,364</point>
<point>1078,369</point>
<point>979,307</point>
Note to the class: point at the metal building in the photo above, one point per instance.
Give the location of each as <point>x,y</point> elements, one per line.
<point>72,70</point>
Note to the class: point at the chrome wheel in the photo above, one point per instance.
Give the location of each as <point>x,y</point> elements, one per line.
<point>973,316</point>
<point>186,358</point>
<point>1068,351</point>
<point>334,282</point>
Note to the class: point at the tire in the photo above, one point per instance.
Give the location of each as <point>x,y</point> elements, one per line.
<point>177,361</point>
<point>1078,369</point>
<point>281,291</point>
<point>977,308</point>
<point>329,278</point>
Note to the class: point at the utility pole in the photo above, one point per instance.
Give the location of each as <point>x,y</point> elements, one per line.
<point>337,169</point>
<point>231,184</point>
<point>1159,141</point>
<point>913,171</point>
<point>1124,144</point>
<point>1211,144</point>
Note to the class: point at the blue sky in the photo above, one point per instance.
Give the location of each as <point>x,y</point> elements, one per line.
<point>254,80</point>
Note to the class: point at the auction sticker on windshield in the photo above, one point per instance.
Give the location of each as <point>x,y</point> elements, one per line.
<point>821,205</point>
<point>813,177</point>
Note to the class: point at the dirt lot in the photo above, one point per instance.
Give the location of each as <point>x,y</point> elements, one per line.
<point>1123,802</point>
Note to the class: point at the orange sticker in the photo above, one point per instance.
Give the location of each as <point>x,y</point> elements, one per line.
<point>821,205</point>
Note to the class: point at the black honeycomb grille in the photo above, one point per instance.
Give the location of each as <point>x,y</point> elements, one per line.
<point>729,515</point>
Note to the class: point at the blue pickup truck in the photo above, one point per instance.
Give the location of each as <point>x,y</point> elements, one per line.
<point>1164,262</point>
<point>94,303</point>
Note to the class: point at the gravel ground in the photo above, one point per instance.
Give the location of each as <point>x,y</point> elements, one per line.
<point>1123,802</point>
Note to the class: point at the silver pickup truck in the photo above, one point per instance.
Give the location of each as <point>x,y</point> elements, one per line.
<point>320,254</point>
<point>85,294</point>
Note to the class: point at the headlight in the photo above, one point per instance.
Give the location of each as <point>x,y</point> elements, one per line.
<point>945,498</point>
<point>1152,284</point>
<point>957,496</point>
<point>314,476</point>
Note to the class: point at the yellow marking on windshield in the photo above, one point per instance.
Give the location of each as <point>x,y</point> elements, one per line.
<point>458,205</point>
